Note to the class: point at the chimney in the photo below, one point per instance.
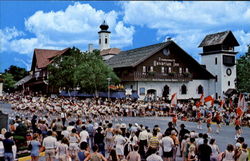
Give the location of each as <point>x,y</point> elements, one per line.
<point>90,48</point>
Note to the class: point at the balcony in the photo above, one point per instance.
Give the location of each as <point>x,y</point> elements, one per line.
<point>153,76</point>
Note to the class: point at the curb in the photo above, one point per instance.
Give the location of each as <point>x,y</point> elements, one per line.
<point>27,158</point>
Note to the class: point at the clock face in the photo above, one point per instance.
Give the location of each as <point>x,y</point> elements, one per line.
<point>229,71</point>
<point>166,52</point>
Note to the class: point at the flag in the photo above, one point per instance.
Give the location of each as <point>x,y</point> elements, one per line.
<point>242,102</point>
<point>209,101</point>
<point>174,100</point>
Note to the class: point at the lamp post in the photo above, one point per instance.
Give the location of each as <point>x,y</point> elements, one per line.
<point>109,79</point>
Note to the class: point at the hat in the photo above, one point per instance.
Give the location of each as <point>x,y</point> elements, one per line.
<point>136,125</point>
<point>238,145</point>
<point>123,125</point>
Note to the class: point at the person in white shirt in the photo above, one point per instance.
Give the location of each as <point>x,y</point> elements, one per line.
<point>84,135</point>
<point>49,143</point>
<point>154,156</point>
<point>65,133</point>
<point>143,138</point>
<point>167,144</point>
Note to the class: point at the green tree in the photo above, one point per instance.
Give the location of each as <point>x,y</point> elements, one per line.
<point>8,82</point>
<point>77,69</point>
<point>62,72</point>
<point>94,72</point>
<point>243,72</point>
<point>17,72</point>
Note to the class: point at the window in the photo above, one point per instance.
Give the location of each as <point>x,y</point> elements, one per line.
<point>99,41</point>
<point>215,61</point>
<point>200,89</point>
<point>228,60</point>
<point>216,95</point>
<point>106,40</point>
<point>180,70</point>
<point>151,68</point>
<point>228,83</point>
<point>162,70</point>
<point>186,70</point>
<point>169,70</point>
<point>142,91</point>
<point>216,78</point>
<point>144,69</point>
<point>131,86</point>
<point>183,89</point>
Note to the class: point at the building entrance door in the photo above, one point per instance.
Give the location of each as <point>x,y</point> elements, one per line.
<point>151,94</point>
<point>165,92</point>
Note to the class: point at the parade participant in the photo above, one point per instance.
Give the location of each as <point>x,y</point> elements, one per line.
<point>35,147</point>
<point>49,144</point>
<point>174,120</point>
<point>95,156</point>
<point>218,120</point>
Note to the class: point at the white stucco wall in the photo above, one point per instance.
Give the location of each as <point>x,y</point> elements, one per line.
<point>220,70</point>
<point>103,45</point>
<point>174,87</point>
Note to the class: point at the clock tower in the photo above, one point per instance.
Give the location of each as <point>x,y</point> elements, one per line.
<point>219,58</point>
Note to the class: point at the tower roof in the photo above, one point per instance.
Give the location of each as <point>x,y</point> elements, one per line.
<point>219,39</point>
<point>104,27</point>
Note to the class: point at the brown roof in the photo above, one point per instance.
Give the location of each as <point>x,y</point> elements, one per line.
<point>110,51</point>
<point>219,38</point>
<point>43,57</point>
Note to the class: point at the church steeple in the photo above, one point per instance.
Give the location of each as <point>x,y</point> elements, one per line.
<point>104,36</point>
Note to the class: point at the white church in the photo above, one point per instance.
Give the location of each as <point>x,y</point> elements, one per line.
<point>165,68</point>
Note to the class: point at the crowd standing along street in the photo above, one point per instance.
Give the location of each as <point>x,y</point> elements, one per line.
<point>95,129</point>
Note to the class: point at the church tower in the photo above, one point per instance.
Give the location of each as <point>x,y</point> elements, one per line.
<point>219,57</point>
<point>104,36</point>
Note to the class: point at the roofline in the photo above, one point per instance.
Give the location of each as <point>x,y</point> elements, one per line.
<point>219,52</point>
<point>157,50</point>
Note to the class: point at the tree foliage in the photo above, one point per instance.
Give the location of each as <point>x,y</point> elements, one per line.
<point>77,69</point>
<point>11,76</point>
<point>243,72</point>
<point>17,72</point>
<point>8,82</point>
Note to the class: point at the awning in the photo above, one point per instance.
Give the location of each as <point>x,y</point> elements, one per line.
<point>24,80</point>
<point>230,91</point>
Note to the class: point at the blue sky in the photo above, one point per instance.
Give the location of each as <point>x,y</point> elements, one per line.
<point>25,25</point>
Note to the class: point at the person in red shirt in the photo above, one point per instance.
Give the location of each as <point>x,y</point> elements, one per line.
<point>174,120</point>
<point>218,121</point>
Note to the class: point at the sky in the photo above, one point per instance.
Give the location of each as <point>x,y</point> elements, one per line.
<point>26,25</point>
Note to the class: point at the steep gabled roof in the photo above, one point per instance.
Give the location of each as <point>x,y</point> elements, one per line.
<point>218,39</point>
<point>134,57</point>
<point>131,58</point>
<point>110,51</point>
<point>43,57</point>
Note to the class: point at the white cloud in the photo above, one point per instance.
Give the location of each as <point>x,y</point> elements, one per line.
<point>77,25</point>
<point>189,22</point>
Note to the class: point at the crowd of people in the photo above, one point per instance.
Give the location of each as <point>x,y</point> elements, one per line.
<point>92,129</point>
